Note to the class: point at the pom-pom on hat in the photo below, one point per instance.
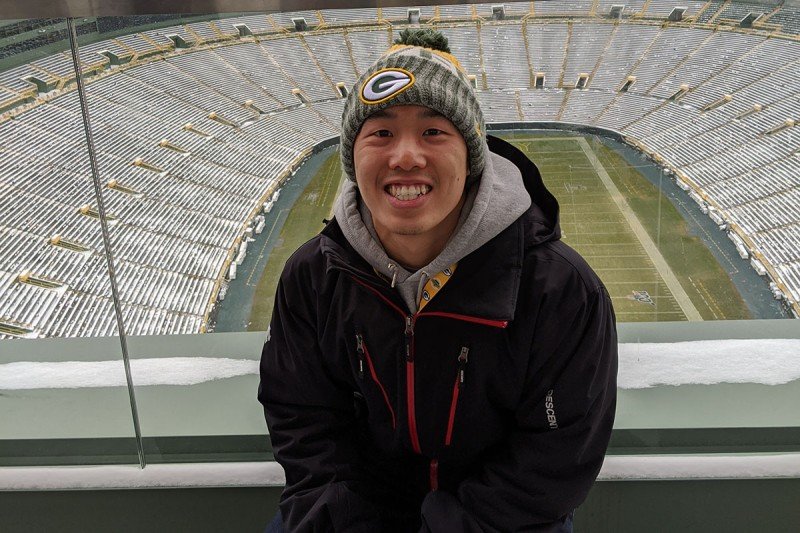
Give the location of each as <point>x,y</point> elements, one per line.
<point>418,70</point>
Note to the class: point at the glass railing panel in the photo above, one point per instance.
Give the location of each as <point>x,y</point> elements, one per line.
<point>215,140</point>
<point>198,134</point>
<point>61,402</point>
<point>196,397</point>
<point>710,387</point>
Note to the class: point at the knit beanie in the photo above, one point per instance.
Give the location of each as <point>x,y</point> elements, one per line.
<point>417,70</point>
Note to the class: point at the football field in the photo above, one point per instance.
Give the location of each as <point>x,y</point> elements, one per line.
<point>630,234</point>
<point>594,224</point>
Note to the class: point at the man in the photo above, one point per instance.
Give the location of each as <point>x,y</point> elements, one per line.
<point>438,359</point>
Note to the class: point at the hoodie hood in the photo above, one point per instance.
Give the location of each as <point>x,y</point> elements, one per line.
<point>541,219</point>
<point>499,198</point>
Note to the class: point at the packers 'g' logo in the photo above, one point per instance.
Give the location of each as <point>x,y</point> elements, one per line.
<point>385,84</point>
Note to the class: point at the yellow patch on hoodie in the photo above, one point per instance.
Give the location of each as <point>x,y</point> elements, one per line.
<point>435,284</point>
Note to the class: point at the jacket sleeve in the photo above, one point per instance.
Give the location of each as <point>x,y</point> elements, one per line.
<point>310,413</point>
<point>545,467</point>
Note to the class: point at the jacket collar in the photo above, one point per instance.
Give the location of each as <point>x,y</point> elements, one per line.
<point>490,275</point>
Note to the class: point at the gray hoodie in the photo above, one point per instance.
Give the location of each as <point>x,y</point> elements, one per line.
<point>491,206</point>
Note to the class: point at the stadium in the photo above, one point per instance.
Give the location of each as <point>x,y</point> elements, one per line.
<point>160,162</point>
<point>198,127</point>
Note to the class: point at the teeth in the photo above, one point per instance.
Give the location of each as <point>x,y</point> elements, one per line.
<point>408,192</point>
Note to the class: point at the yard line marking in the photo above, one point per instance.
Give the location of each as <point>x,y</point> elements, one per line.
<point>691,312</point>
<point>326,186</point>
<point>338,192</point>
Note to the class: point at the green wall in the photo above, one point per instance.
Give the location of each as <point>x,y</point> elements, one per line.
<point>768,505</point>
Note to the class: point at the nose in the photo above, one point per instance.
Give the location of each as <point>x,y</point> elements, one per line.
<point>405,153</point>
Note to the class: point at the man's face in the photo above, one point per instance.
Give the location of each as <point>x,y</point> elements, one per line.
<point>411,167</point>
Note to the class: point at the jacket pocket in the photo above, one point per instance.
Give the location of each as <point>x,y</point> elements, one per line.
<point>365,365</point>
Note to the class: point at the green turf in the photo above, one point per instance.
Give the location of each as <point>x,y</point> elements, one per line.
<point>595,227</point>
<point>592,224</point>
<point>302,224</point>
<point>698,271</point>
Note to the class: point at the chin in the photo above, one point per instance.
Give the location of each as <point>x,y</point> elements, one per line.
<point>408,230</point>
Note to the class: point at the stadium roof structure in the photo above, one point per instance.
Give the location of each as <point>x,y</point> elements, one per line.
<point>197,125</point>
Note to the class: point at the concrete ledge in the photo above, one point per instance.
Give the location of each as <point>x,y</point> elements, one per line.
<point>700,467</point>
<point>159,476</point>
<point>270,474</point>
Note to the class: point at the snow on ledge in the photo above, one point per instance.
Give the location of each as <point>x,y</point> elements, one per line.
<point>155,371</point>
<point>764,361</point>
<point>641,365</point>
<point>179,475</point>
<point>647,467</point>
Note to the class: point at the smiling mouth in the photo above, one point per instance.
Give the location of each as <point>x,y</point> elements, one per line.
<point>407,192</point>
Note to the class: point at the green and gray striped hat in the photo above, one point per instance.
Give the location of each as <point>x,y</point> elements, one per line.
<point>416,74</point>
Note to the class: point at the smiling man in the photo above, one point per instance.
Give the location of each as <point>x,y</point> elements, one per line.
<point>411,168</point>
<point>438,360</point>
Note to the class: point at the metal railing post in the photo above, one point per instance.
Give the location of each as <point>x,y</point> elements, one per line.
<point>76,61</point>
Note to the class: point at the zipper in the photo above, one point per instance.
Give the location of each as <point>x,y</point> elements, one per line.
<point>360,352</point>
<point>411,403</point>
<point>467,318</point>
<point>463,358</point>
<point>455,316</point>
<point>409,335</point>
<point>433,474</point>
<point>363,354</point>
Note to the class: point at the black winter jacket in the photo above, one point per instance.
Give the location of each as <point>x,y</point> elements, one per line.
<point>489,410</point>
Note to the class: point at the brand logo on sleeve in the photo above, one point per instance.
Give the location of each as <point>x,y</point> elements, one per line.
<point>386,84</point>
<point>550,410</point>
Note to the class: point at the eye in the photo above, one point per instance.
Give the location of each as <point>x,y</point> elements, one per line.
<point>382,133</point>
<point>432,132</point>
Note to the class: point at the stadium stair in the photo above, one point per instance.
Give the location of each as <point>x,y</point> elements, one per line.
<point>314,59</point>
<point>346,37</point>
<point>566,56</point>
<point>484,80</point>
<point>719,12</point>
